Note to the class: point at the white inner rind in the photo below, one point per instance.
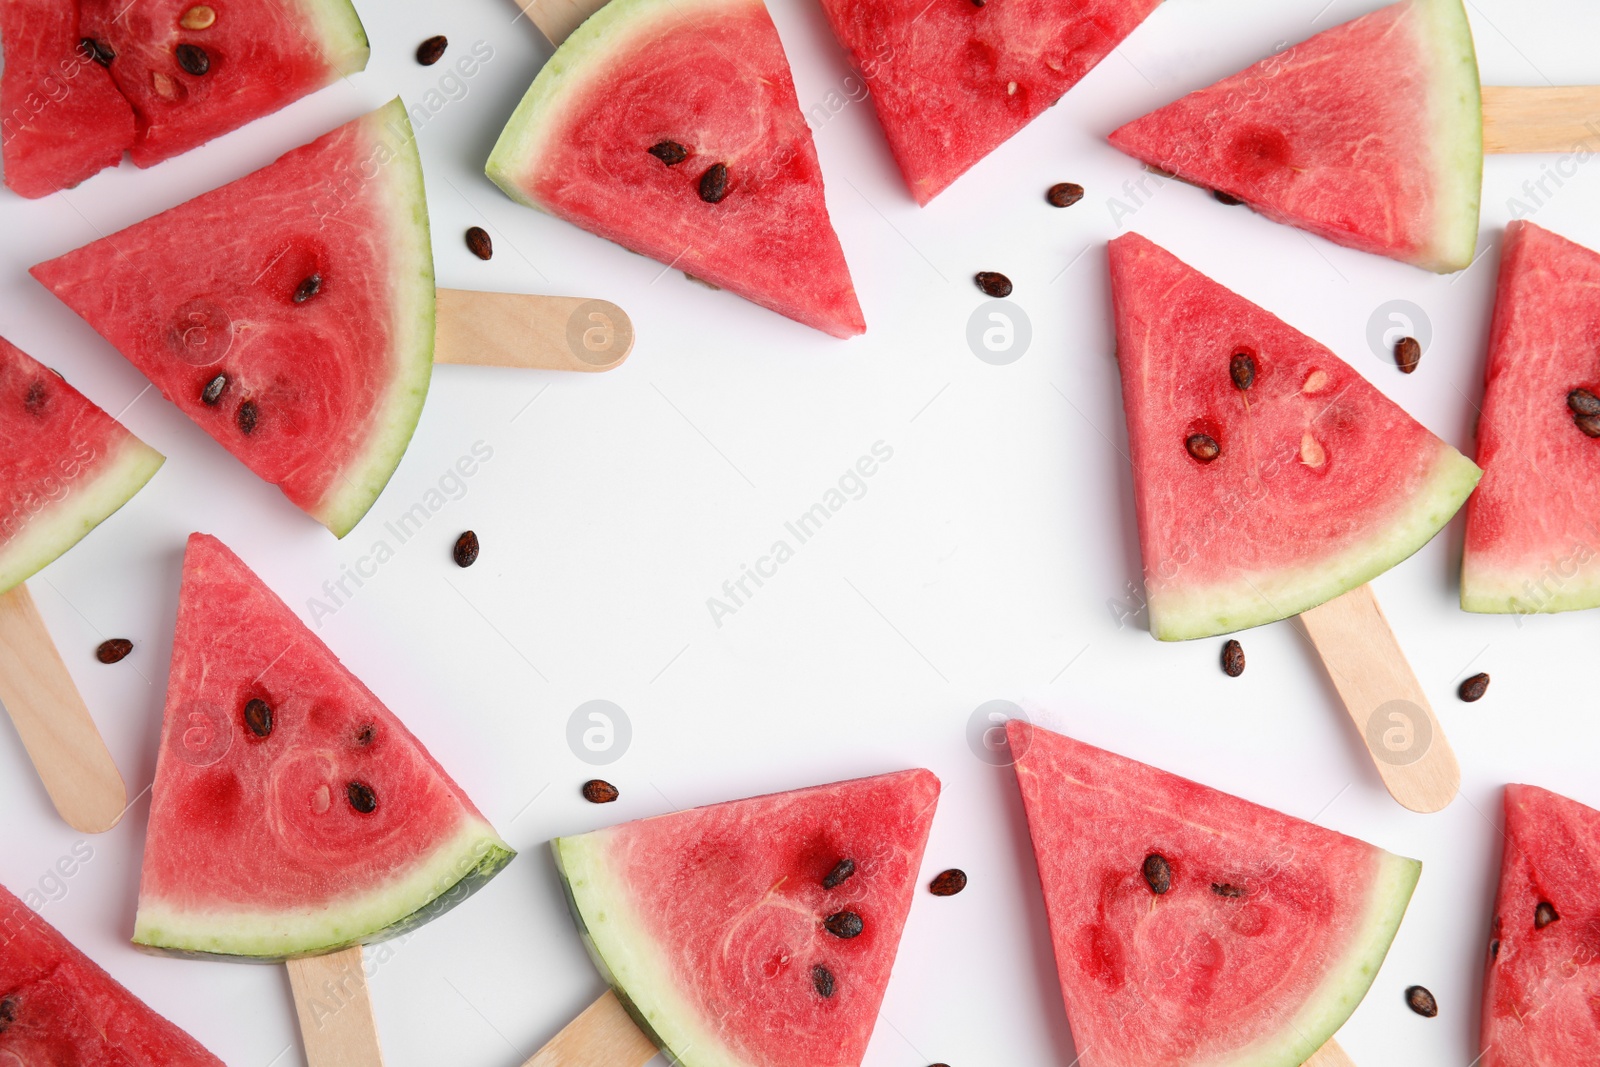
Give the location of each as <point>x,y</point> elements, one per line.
<point>362,918</point>
<point>1181,614</point>
<point>59,526</point>
<point>1492,591</point>
<point>1455,132</point>
<point>343,38</point>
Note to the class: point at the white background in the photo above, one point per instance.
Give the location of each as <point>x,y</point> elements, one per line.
<point>979,564</point>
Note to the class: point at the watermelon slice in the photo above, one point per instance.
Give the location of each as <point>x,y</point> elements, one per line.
<point>1192,927</point>
<point>289,313</point>
<point>1318,484</point>
<point>1541,997</point>
<point>292,814</point>
<point>1532,539</point>
<point>1369,134</point>
<point>59,1009</point>
<point>705,85</point>
<point>757,933</point>
<point>952,80</point>
<point>65,465</point>
<point>63,117</point>
<point>196,69</point>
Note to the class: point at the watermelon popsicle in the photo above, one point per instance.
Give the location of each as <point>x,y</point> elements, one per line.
<point>1272,480</point>
<point>327,250</point>
<point>67,465</point>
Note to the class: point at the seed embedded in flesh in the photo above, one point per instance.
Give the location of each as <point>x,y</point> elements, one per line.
<point>599,791</point>
<point>839,875</point>
<point>362,798</point>
<point>34,401</point>
<point>844,924</point>
<point>258,717</point>
<point>822,981</point>
<point>8,1013</point>
<point>1064,194</point>
<point>1473,688</point>
<point>948,883</point>
<point>478,241</point>
<point>669,152</point>
<point>246,417</point>
<point>1227,889</point>
<point>365,734</point>
<point>1407,354</point>
<point>714,183</point>
<point>113,650</point>
<point>1494,949</point>
<point>1589,424</point>
<point>1233,659</point>
<point>213,390</point>
<point>1544,915</point>
<point>1202,447</point>
<point>1583,402</point>
<point>1158,873</point>
<point>199,17</point>
<point>164,86</point>
<point>1421,1001</point>
<point>993,283</point>
<point>1226,198</point>
<point>1242,369</point>
<point>466,550</point>
<point>431,51</point>
<point>98,51</point>
<point>192,58</point>
<point>309,287</point>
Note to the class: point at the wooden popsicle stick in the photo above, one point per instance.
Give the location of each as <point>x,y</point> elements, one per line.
<point>1540,118</point>
<point>1384,698</point>
<point>1330,1055</point>
<point>337,1026</point>
<point>557,19</point>
<point>55,727</point>
<point>538,332</point>
<point>603,1036</point>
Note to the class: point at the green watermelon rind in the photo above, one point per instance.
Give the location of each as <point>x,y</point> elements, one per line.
<point>1183,614</point>
<point>343,38</point>
<point>1491,591</point>
<point>356,488</point>
<point>1457,134</point>
<point>456,870</point>
<point>57,528</point>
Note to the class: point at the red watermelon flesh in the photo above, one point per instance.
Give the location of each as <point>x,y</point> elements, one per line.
<point>59,1009</point>
<point>1532,538</point>
<point>307,288</point>
<point>1369,134</point>
<point>192,77</point>
<point>63,118</point>
<point>292,813</point>
<point>65,465</point>
<point>1320,483</point>
<point>710,924</point>
<point>1541,997</point>
<point>1268,934</point>
<point>709,76</point>
<point>952,80</point>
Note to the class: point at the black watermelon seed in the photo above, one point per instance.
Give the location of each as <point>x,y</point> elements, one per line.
<point>1228,890</point>
<point>478,241</point>
<point>948,883</point>
<point>1233,659</point>
<point>8,1013</point>
<point>1064,194</point>
<point>840,873</point>
<point>1242,369</point>
<point>1583,402</point>
<point>114,650</point>
<point>98,51</point>
<point>36,399</point>
<point>714,183</point>
<point>309,287</point>
<point>1202,447</point>
<point>979,3</point>
<point>192,58</point>
<point>822,981</point>
<point>1494,949</point>
<point>669,152</point>
<point>1473,688</point>
<point>466,550</point>
<point>1226,198</point>
<point>246,417</point>
<point>1544,915</point>
<point>1407,354</point>
<point>845,924</point>
<point>365,734</point>
<point>213,390</point>
<point>993,283</point>
<point>1158,873</point>
<point>258,717</point>
<point>431,51</point>
<point>1589,424</point>
<point>599,791</point>
<point>1421,1001</point>
<point>362,798</point>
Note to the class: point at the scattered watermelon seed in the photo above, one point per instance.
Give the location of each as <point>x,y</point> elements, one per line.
<point>199,17</point>
<point>1583,402</point>
<point>1494,949</point>
<point>478,241</point>
<point>1589,424</point>
<point>839,875</point>
<point>669,152</point>
<point>1407,354</point>
<point>362,798</point>
<point>1202,447</point>
<point>1242,369</point>
<point>948,883</point>
<point>309,287</point>
<point>258,717</point>
<point>1233,659</point>
<point>1064,194</point>
<point>164,86</point>
<point>993,283</point>
<point>431,51</point>
<point>365,734</point>
<point>845,924</point>
<point>979,3</point>
<point>98,51</point>
<point>1421,1001</point>
<point>35,400</point>
<point>1473,688</point>
<point>192,58</point>
<point>1226,198</point>
<point>1158,873</point>
<point>113,650</point>
<point>599,791</point>
<point>213,390</point>
<point>466,550</point>
<point>8,1013</point>
<point>1544,915</point>
<point>246,417</point>
<point>1225,889</point>
<point>714,183</point>
<point>822,981</point>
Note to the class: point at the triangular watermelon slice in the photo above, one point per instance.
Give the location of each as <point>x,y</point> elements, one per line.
<point>196,69</point>
<point>952,79</point>
<point>59,1009</point>
<point>289,313</point>
<point>1192,927</point>
<point>63,118</point>
<point>624,131</point>
<point>761,932</point>
<point>65,465</point>
<point>1533,526</point>
<point>1369,134</point>
<point>1541,995</point>
<point>292,813</point>
<point>1317,482</point>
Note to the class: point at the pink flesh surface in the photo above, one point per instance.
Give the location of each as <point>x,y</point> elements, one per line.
<point>67,1012</point>
<point>1258,507</point>
<point>1331,136</point>
<point>733,894</point>
<point>1189,977</point>
<point>723,90</point>
<point>1541,999</point>
<point>940,71</point>
<point>243,823</point>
